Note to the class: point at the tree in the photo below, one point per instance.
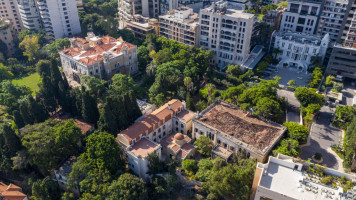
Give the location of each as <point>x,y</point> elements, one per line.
<point>10,93</point>
<point>276,51</point>
<point>154,165</point>
<point>45,189</point>
<point>50,142</point>
<point>350,145</point>
<point>297,132</point>
<point>307,96</point>
<point>292,82</point>
<point>95,85</point>
<point>5,73</point>
<point>188,83</point>
<point>312,108</point>
<point>189,102</point>
<point>204,145</point>
<point>270,109</point>
<point>329,80</point>
<point>189,165</point>
<point>122,84</point>
<point>9,145</point>
<point>232,93</point>
<point>90,112</point>
<point>56,46</point>
<point>43,67</point>
<point>288,147</point>
<point>128,187</point>
<point>102,151</point>
<point>234,70</point>
<point>143,57</point>
<point>30,45</point>
<point>283,4</point>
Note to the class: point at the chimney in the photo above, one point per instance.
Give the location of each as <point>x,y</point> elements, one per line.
<point>169,106</point>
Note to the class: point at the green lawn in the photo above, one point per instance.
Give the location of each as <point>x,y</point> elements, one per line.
<point>30,81</point>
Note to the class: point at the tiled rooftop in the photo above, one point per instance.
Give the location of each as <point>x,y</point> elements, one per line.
<point>106,45</point>
<point>147,122</point>
<point>11,192</point>
<point>186,115</point>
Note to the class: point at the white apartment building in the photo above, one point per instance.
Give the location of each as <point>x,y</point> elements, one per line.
<point>180,24</point>
<point>298,48</point>
<point>144,136</point>
<point>301,16</point>
<point>285,178</point>
<point>331,19</point>
<point>227,32</point>
<point>58,18</point>
<point>167,5</point>
<point>9,11</point>
<point>101,56</point>
<point>30,15</point>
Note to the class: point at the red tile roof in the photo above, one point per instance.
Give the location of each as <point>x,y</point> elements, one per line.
<point>108,39</point>
<point>187,147</point>
<point>99,49</point>
<point>147,122</point>
<point>182,154</point>
<point>72,51</point>
<point>11,192</point>
<point>91,60</point>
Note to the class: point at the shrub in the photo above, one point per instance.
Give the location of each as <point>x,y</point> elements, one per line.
<point>318,156</point>
<point>189,165</point>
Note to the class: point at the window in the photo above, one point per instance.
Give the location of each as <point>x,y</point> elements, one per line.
<point>182,126</point>
<point>219,142</point>
<point>196,130</point>
<point>164,126</point>
<point>177,123</point>
<point>177,129</point>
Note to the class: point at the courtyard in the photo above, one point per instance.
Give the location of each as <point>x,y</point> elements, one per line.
<point>301,77</point>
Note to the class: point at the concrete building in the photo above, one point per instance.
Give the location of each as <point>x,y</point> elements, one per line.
<point>57,18</point>
<point>144,136</point>
<point>11,192</point>
<point>348,19</point>
<point>342,61</point>
<point>331,19</point>
<point>10,11</point>
<point>284,178</point>
<point>30,15</point>
<point>102,56</point>
<point>227,32</point>
<point>62,172</point>
<point>273,18</point>
<point>167,5</point>
<point>7,36</point>
<point>301,16</point>
<point>181,24</point>
<point>298,48</point>
<point>127,9</point>
<point>141,26</point>
<point>232,130</point>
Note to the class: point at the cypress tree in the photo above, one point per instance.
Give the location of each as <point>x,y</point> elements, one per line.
<point>46,95</point>
<point>135,109</point>
<point>90,111</point>
<point>121,114</point>
<point>38,111</point>
<point>25,111</point>
<point>18,119</point>
<point>189,102</point>
<point>127,105</point>
<point>43,68</point>
<point>107,121</point>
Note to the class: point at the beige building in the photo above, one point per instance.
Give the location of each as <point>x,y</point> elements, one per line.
<point>144,136</point>
<point>10,11</point>
<point>181,24</point>
<point>100,56</point>
<point>7,37</point>
<point>141,26</point>
<point>226,30</point>
<point>232,130</point>
<point>179,145</point>
<point>285,178</point>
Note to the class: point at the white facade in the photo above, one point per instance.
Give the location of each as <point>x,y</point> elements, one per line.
<point>227,32</point>
<point>298,49</point>
<point>284,179</point>
<point>29,14</point>
<point>60,18</point>
<point>300,16</point>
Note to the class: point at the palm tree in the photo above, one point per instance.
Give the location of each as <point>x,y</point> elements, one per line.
<point>151,68</point>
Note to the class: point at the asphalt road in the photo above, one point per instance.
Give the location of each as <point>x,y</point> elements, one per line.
<point>322,136</point>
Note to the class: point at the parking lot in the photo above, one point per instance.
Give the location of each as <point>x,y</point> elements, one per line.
<point>287,74</point>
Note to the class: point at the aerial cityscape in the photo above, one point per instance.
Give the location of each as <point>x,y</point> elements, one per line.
<point>177,99</point>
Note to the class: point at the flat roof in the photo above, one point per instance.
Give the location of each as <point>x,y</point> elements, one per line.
<point>144,147</point>
<point>186,115</point>
<point>230,120</point>
<point>286,181</point>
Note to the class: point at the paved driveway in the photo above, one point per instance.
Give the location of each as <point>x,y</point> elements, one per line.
<point>322,136</point>
<point>348,94</point>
